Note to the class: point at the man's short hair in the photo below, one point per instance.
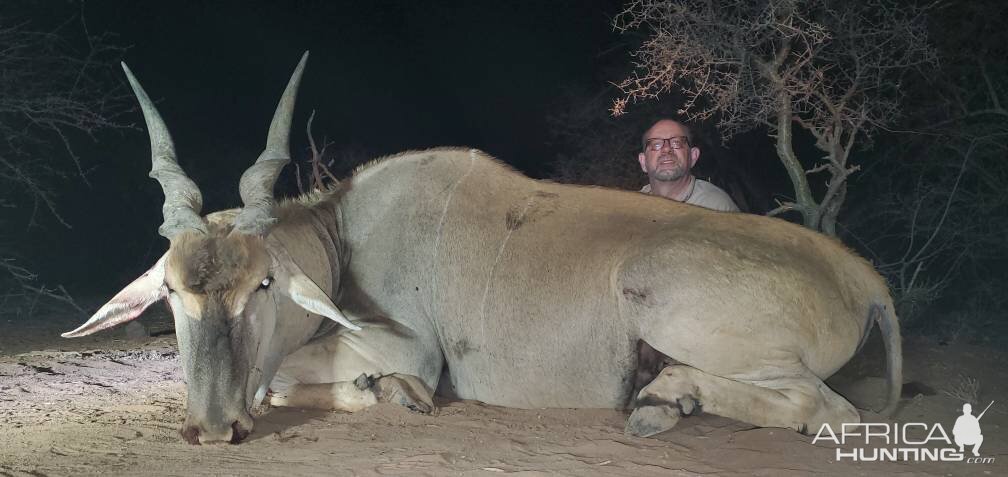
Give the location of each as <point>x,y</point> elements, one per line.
<point>686,128</point>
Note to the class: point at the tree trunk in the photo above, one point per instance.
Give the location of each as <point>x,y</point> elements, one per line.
<point>831,210</point>
<point>804,202</point>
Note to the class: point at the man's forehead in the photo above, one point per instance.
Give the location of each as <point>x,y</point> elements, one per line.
<point>666,128</point>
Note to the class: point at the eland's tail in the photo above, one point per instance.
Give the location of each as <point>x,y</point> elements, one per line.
<point>885,316</point>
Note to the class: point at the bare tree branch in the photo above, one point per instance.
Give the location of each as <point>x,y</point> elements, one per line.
<point>56,88</point>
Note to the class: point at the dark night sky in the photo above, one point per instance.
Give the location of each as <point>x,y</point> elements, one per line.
<point>384,76</point>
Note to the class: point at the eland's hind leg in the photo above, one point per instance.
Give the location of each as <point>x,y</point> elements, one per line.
<point>802,403</point>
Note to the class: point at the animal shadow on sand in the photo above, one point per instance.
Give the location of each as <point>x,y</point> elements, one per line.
<point>278,423</point>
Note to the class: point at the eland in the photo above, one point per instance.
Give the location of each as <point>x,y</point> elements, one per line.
<point>532,294</point>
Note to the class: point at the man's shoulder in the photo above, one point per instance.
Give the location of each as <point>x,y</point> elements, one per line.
<point>711,196</point>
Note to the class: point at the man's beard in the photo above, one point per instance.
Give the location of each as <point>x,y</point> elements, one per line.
<point>678,171</point>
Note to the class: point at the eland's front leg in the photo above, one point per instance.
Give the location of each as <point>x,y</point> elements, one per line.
<point>351,371</point>
<point>351,396</point>
<point>346,396</point>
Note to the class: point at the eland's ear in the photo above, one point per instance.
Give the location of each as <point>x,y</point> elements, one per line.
<point>303,291</point>
<point>127,304</point>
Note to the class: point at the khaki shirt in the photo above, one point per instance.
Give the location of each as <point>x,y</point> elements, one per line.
<point>706,195</point>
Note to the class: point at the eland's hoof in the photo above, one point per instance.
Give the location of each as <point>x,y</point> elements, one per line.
<point>404,391</point>
<point>363,382</point>
<point>646,421</point>
<point>688,406</point>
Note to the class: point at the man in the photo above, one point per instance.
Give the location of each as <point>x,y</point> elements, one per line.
<point>667,158</point>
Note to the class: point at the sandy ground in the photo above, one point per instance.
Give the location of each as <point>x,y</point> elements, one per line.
<point>112,405</point>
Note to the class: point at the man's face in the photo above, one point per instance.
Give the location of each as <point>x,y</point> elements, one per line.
<point>667,164</point>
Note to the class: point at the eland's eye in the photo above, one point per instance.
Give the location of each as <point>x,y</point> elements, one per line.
<point>266,283</point>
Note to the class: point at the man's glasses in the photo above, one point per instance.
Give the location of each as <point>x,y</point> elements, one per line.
<point>656,144</point>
